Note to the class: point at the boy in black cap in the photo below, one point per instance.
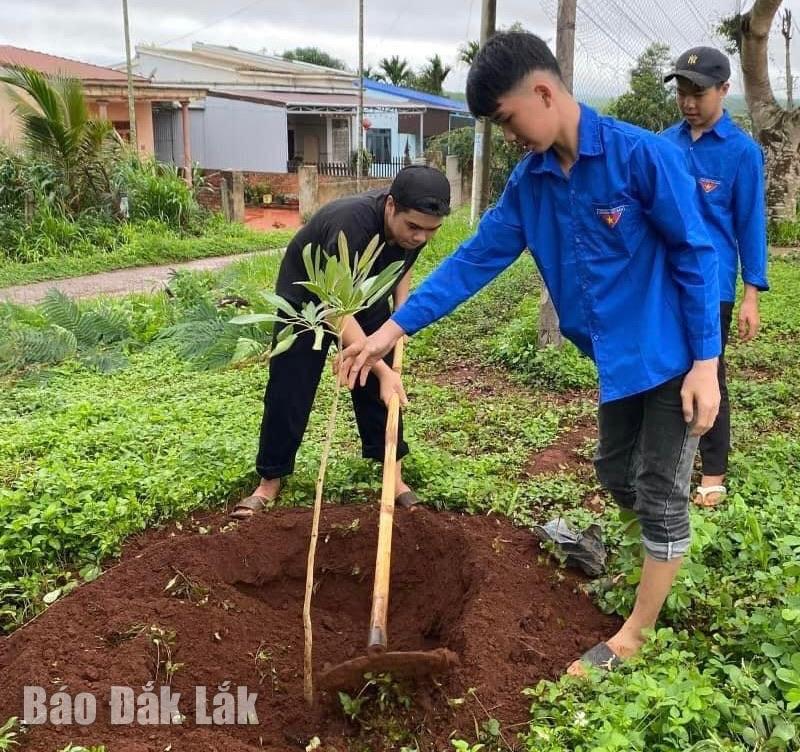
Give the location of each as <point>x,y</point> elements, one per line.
<point>405,218</point>
<point>729,168</point>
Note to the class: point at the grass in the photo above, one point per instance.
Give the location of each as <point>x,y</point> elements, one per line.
<point>147,244</point>
<point>86,460</point>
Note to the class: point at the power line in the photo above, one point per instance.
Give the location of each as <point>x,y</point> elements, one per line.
<point>696,12</point>
<point>469,19</point>
<point>632,13</point>
<point>605,33</point>
<point>630,19</point>
<point>213,23</point>
<point>672,23</point>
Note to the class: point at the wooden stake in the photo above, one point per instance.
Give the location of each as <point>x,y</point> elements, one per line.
<point>308,666</point>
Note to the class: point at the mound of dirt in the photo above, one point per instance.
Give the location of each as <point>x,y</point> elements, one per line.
<point>233,613</point>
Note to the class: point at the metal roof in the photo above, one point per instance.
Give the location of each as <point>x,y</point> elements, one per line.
<point>310,102</point>
<point>441,103</point>
<point>54,65</point>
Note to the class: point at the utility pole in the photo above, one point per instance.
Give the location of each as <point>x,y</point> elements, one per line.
<point>131,106</point>
<point>483,128</point>
<point>549,333</point>
<point>786,30</point>
<point>360,116</point>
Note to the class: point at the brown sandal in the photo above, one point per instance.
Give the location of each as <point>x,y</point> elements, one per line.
<point>407,500</point>
<point>248,507</point>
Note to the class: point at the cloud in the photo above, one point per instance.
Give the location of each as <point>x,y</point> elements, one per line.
<point>609,34</point>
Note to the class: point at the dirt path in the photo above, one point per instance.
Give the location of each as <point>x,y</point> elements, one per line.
<point>120,282</point>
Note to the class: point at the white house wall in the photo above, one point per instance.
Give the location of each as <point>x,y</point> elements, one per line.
<point>245,136</point>
<point>229,134</point>
<point>382,120</point>
<point>180,71</point>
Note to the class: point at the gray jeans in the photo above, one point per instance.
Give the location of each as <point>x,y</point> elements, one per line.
<point>644,458</point>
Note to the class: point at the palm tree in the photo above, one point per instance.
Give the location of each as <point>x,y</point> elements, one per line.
<point>431,77</point>
<point>371,73</point>
<point>395,70</point>
<point>468,51</point>
<point>58,131</point>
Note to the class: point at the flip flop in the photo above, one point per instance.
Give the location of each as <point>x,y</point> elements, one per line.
<point>249,506</point>
<point>704,491</point>
<point>407,500</point>
<point>601,656</point>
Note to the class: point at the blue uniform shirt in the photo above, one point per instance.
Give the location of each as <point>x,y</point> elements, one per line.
<point>621,246</point>
<point>729,168</point>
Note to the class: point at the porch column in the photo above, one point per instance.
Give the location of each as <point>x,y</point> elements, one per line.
<point>329,136</point>
<point>421,149</point>
<point>102,109</point>
<point>187,144</point>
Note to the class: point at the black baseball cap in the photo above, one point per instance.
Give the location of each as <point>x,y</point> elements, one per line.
<point>422,188</point>
<point>703,66</point>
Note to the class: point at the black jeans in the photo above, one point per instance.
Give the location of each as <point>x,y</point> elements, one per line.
<point>644,458</point>
<point>293,380</point>
<point>715,446</point>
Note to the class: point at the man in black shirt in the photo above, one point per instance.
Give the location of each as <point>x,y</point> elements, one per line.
<point>405,217</point>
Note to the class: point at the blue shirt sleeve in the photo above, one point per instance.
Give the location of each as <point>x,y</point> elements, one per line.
<point>669,198</point>
<point>750,217</point>
<point>497,243</point>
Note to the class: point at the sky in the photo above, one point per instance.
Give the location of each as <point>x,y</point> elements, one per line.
<point>610,33</point>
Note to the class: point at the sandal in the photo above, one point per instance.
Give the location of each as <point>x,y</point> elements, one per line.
<point>249,506</point>
<point>601,656</point>
<point>407,500</point>
<point>704,491</point>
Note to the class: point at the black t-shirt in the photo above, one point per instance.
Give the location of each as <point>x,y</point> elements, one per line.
<point>360,218</point>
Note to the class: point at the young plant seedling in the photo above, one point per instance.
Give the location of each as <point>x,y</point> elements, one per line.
<point>343,289</point>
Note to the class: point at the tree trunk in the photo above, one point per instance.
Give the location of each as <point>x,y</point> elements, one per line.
<point>777,129</point>
<point>786,30</point>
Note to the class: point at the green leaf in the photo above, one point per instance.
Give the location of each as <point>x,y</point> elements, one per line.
<point>784,731</point>
<point>344,251</point>
<point>771,651</point>
<point>247,349</point>
<point>369,255</point>
<point>788,676</point>
<point>282,346</point>
<point>319,291</point>
<point>61,310</point>
<point>308,262</point>
<point>286,331</point>
<point>52,596</point>
<point>248,319</point>
<point>279,303</point>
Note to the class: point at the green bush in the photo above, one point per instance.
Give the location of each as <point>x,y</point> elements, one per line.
<point>461,143</point>
<point>156,192</point>
<point>785,232</point>
<point>517,348</point>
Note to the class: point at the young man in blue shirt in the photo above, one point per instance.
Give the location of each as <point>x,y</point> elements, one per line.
<point>729,168</point>
<point>609,213</point>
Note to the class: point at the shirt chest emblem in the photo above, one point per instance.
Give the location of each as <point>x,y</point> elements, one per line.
<point>611,216</point>
<point>708,185</point>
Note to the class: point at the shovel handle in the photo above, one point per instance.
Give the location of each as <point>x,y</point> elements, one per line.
<point>380,593</point>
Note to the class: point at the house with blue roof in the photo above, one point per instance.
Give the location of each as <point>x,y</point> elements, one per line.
<point>436,115</point>
<point>263,113</point>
